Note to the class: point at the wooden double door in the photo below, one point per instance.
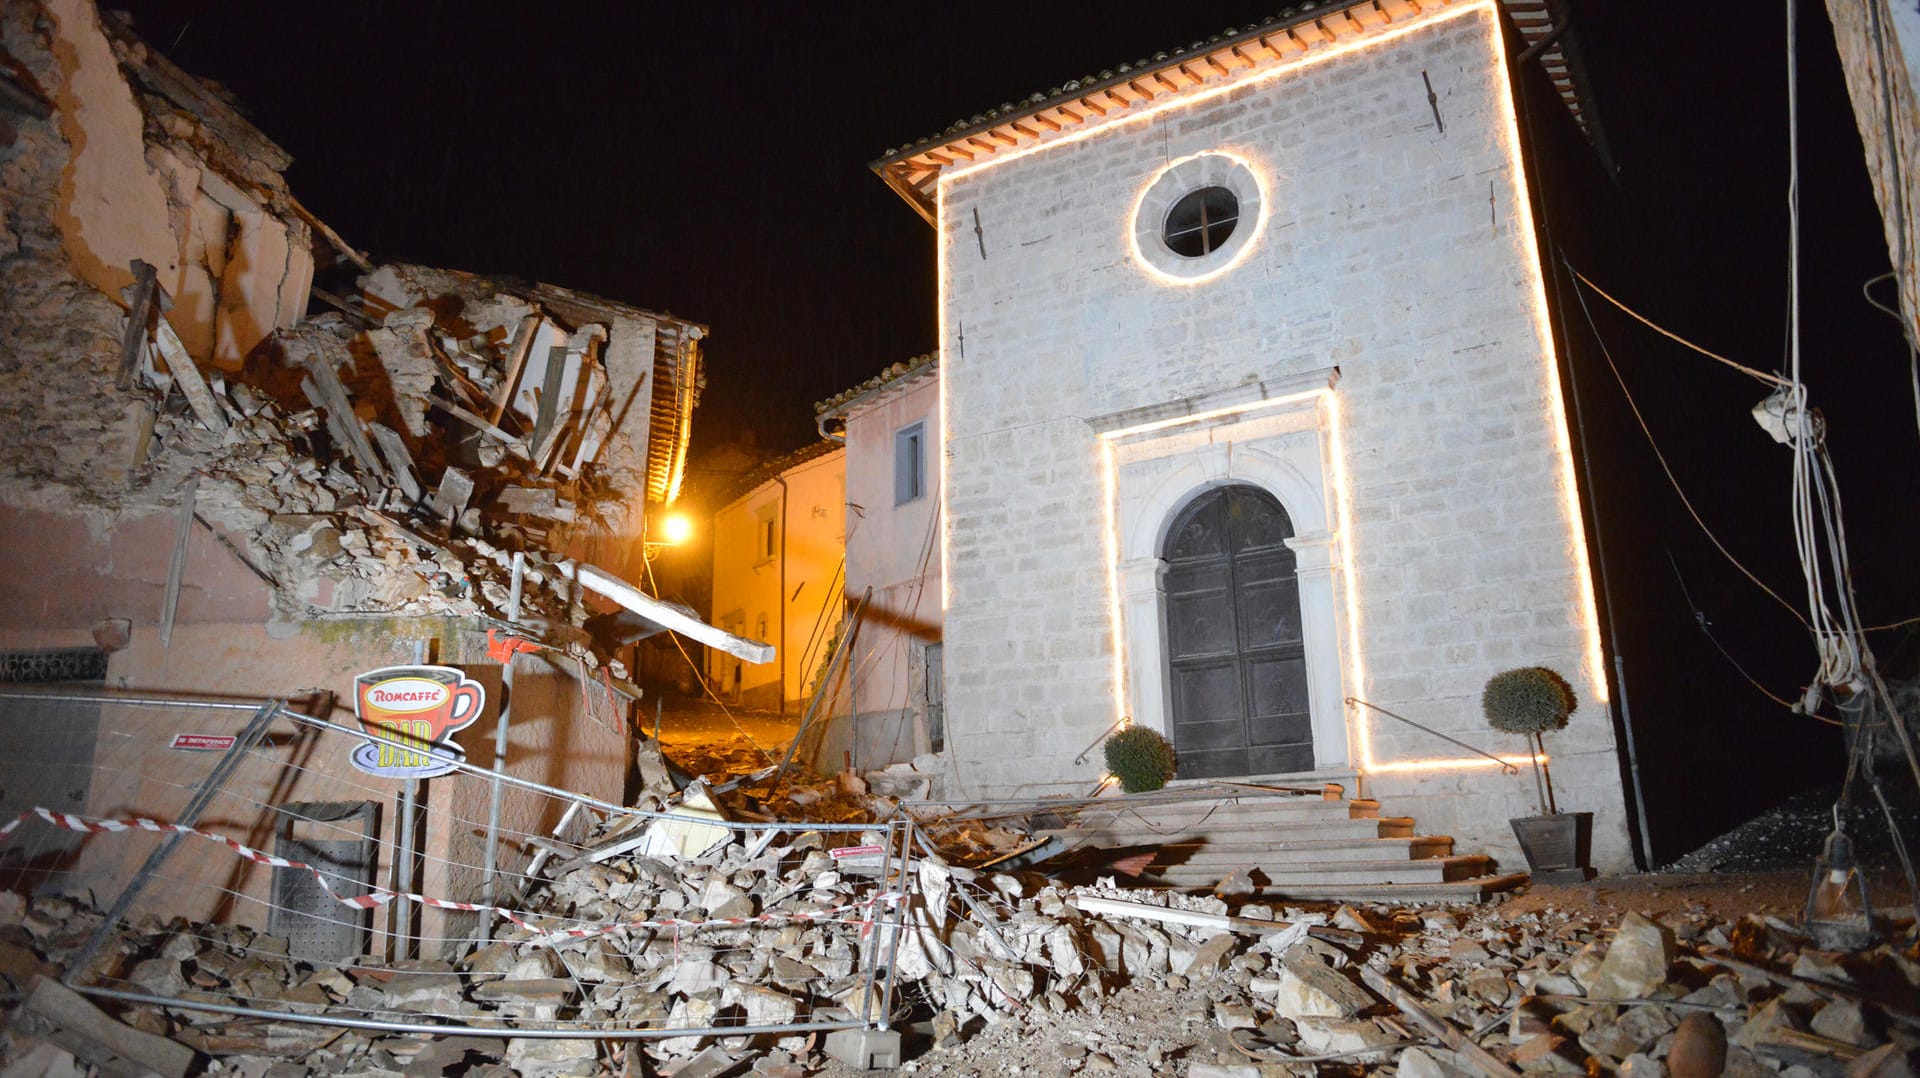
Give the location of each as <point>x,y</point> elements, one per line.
<point>1235,652</point>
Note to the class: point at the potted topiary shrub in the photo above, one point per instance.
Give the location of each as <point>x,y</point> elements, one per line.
<point>1140,758</point>
<point>1530,701</point>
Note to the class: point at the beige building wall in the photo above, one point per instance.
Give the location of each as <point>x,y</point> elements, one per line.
<point>777,554</point>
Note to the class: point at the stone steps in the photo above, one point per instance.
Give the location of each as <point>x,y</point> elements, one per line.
<point>1272,878</point>
<point>1120,833</point>
<point>1306,845</point>
<point>1228,856</point>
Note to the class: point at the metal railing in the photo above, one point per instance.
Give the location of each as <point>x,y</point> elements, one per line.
<point>1505,767</point>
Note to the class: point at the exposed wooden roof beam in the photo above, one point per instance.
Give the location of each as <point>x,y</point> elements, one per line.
<point>1046,121</point>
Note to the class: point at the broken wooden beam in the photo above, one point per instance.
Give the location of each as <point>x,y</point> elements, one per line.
<point>399,462</point>
<point>606,585</point>
<point>1114,907</point>
<point>324,389</point>
<point>146,286</point>
<point>58,1014</point>
<point>187,376</point>
<point>512,444</point>
<point>1449,1034</point>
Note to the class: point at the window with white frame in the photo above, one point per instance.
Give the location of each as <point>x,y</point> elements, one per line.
<point>909,463</point>
<point>766,544</point>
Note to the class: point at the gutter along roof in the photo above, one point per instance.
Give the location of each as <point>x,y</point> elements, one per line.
<point>843,402</point>
<point>1232,56</point>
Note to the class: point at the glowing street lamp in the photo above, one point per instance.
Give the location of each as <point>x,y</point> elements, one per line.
<point>674,529</point>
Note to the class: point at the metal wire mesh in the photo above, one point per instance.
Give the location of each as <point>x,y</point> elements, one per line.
<point>678,925</point>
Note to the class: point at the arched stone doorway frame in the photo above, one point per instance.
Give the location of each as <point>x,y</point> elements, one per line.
<point>1282,450</point>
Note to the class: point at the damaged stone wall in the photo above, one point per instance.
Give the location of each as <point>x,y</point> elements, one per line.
<point>336,490</point>
<point>118,171</point>
<point>1879,46</point>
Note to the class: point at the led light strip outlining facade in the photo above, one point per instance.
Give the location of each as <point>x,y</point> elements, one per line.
<point>1583,597</point>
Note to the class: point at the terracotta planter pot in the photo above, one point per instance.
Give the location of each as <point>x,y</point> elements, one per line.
<point>1556,845</point>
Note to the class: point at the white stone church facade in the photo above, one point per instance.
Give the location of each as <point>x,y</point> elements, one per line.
<point>1251,407</point>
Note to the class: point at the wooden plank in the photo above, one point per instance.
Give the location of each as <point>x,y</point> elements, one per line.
<point>331,397</point>
<point>513,445</point>
<point>59,1014</point>
<point>601,582</point>
<point>331,236</point>
<point>372,516</point>
<point>139,321</point>
<point>545,420</point>
<point>192,384</point>
<point>399,461</point>
<point>1447,1032</point>
<point>523,336</point>
<point>177,564</point>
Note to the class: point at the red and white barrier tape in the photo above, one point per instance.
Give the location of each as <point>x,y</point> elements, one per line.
<point>380,896</point>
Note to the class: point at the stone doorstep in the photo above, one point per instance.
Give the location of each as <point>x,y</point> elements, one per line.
<point>1311,873</point>
<point>1474,890</point>
<point>1273,810</point>
<point>1206,851</point>
<point>1122,831</point>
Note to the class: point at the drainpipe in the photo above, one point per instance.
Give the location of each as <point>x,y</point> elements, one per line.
<point>820,424</point>
<point>782,480</point>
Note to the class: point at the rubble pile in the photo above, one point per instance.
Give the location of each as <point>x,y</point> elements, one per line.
<point>1538,993</point>
<point>1014,963</point>
<point>388,458</point>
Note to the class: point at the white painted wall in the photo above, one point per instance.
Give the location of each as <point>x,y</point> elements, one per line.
<point>893,548</point>
<point>1394,251</point>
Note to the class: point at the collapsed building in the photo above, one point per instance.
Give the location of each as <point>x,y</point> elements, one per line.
<point>219,478</point>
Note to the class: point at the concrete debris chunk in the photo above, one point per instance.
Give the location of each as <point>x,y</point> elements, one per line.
<point>1636,961</point>
<point>1306,987</point>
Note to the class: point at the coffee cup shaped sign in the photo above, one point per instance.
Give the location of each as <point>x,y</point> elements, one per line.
<point>411,713</point>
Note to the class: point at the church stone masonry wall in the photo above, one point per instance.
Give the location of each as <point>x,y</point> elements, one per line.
<point>1394,251</point>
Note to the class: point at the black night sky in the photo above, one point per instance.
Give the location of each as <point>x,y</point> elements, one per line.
<point>710,160</point>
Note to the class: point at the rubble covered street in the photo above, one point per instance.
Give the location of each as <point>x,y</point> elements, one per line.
<point>1018,974</point>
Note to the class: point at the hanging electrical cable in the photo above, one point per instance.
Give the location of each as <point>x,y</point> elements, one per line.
<point>1846,666</point>
<point>1672,480</point>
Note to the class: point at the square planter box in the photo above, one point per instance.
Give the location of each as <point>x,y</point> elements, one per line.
<point>1557,847</point>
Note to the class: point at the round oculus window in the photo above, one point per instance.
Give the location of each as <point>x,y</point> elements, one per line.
<point>1201,222</point>
<point>1198,217</point>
